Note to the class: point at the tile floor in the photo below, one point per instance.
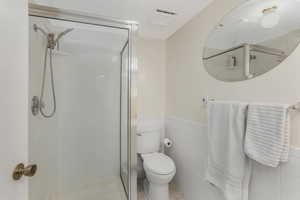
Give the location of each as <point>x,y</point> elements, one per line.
<point>110,189</point>
<point>174,194</point>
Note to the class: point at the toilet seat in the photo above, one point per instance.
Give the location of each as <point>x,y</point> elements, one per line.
<point>158,163</point>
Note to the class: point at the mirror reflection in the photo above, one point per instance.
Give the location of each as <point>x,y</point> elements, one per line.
<point>252,39</point>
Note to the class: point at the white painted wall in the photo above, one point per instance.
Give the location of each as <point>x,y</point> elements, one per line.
<point>151,62</point>
<point>187,82</point>
<point>151,83</point>
<point>14,90</point>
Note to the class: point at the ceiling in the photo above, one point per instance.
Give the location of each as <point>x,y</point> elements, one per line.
<point>151,23</point>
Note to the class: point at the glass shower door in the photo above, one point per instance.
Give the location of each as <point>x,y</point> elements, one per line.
<point>75,73</point>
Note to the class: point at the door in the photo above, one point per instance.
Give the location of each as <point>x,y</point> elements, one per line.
<point>14,92</point>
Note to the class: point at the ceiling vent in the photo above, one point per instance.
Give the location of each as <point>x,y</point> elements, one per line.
<point>166,12</point>
<point>163,18</point>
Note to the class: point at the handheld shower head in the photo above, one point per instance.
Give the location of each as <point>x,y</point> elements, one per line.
<point>63,34</point>
<point>52,41</point>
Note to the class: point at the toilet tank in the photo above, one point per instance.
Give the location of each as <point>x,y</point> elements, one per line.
<point>148,141</point>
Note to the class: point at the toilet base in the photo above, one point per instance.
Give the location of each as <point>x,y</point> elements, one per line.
<point>156,191</point>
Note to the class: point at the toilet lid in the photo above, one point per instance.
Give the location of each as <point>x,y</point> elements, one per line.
<point>159,163</point>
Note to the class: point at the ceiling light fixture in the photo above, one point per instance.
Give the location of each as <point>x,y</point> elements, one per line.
<point>270,17</point>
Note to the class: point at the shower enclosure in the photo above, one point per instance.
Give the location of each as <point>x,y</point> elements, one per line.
<point>82,112</point>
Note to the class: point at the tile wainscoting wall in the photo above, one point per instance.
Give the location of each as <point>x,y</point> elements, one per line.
<point>189,153</point>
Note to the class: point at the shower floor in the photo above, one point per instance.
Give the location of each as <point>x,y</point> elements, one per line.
<point>111,189</point>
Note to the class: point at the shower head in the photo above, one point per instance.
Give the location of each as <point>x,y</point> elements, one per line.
<point>52,42</point>
<point>36,28</point>
<point>63,33</point>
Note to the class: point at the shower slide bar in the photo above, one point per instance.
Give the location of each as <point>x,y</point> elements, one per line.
<point>253,47</point>
<point>295,107</point>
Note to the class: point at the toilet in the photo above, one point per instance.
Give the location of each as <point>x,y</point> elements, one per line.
<point>159,168</point>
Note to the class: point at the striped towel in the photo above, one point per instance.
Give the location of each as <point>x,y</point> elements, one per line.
<point>267,134</point>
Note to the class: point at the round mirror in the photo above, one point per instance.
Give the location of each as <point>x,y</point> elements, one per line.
<point>252,39</point>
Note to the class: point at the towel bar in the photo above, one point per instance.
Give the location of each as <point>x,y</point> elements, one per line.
<point>295,107</point>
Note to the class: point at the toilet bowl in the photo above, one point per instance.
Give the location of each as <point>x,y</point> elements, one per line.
<point>159,168</point>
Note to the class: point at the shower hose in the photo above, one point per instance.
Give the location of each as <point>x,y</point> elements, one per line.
<point>42,105</point>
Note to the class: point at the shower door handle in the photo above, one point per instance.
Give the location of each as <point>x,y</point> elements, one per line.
<point>21,171</point>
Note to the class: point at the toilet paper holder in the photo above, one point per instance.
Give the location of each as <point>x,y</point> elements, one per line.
<point>168,143</point>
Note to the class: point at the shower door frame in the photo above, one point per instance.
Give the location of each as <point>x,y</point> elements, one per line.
<point>121,86</point>
<point>37,10</point>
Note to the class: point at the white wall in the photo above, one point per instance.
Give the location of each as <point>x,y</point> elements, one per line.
<point>13,101</point>
<point>187,82</point>
<point>151,82</point>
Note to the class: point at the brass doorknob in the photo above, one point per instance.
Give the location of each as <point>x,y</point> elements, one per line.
<point>21,171</point>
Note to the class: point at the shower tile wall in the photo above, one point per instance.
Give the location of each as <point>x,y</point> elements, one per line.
<point>79,147</point>
<point>189,153</point>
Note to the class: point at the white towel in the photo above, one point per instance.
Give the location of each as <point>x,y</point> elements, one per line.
<point>267,135</point>
<point>228,169</point>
